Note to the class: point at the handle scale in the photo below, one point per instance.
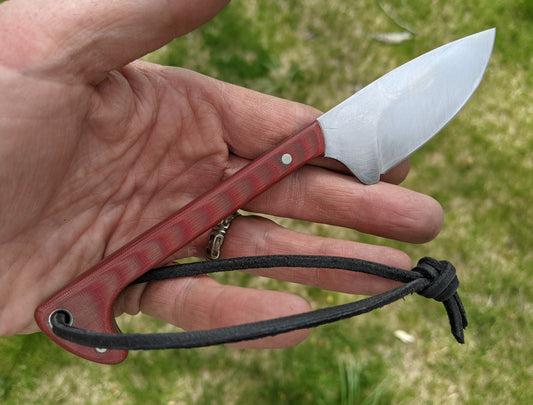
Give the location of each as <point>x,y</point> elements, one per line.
<point>89,299</point>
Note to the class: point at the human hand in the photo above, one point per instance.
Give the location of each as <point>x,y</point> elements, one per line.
<point>96,148</point>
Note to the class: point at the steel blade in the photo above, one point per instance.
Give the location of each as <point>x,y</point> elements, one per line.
<point>382,124</point>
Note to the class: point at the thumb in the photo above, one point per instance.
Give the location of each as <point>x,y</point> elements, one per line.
<point>88,38</point>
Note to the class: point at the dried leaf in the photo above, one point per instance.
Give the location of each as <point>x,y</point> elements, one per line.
<point>393,37</point>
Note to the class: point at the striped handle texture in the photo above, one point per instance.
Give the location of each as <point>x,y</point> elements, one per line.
<point>89,299</point>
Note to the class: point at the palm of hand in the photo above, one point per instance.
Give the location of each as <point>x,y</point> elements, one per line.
<point>107,162</point>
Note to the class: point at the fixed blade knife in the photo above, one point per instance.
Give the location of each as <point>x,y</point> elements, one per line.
<point>370,133</point>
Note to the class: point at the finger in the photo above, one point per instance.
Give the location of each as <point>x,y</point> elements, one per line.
<point>397,174</point>
<point>94,37</point>
<point>251,236</point>
<point>317,195</point>
<point>199,303</point>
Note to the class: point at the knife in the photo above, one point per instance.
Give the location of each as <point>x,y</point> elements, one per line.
<point>370,133</point>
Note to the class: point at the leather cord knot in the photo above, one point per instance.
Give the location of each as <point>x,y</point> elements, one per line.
<point>442,286</point>
<point>444,282</point>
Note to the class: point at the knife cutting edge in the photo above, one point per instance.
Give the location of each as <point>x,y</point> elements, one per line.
<point>370,133</point>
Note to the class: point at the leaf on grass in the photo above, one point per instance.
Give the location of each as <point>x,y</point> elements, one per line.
<point>404,336</point>
<point>393,37</point>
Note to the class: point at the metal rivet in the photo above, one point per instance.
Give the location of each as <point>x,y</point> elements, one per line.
<point>286,159</point>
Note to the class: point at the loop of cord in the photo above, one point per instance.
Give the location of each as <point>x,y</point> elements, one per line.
<point>430,278</point>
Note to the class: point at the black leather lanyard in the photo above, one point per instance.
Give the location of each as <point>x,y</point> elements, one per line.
<point>430,278</point>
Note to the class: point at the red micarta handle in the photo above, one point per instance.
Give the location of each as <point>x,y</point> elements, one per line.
<point>89,299</point>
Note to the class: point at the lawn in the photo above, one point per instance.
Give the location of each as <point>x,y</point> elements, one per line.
<point>480,169</point>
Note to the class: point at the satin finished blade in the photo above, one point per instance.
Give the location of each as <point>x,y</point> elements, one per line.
<point>382,124</point>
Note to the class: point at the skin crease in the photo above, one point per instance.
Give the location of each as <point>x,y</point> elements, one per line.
<point>96,147</point>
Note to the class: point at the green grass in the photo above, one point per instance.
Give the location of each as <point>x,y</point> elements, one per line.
<point>479,168</point>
